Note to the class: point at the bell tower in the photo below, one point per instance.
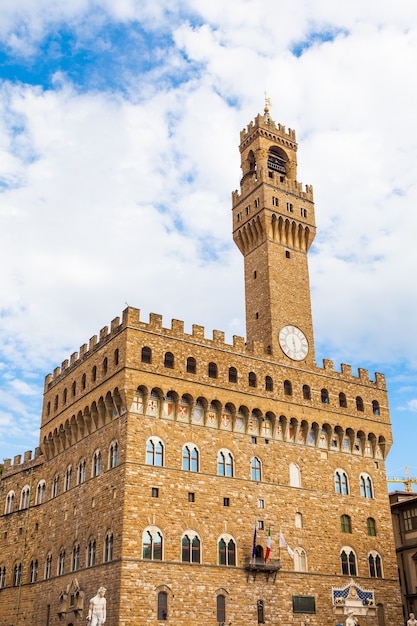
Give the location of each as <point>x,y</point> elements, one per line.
<point>273,227</point>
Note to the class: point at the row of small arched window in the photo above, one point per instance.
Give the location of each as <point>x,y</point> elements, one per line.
<point>212,372</point>
<point>61,565</point>
<point>81,476</point>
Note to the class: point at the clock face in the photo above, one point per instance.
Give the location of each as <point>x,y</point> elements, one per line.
<point>293,342</point>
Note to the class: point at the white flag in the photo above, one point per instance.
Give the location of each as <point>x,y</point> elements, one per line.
<point>284,544</point>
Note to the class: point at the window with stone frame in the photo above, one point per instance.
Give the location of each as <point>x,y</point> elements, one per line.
<point>152,544</point>
<point>226,551</point>
<point>108,547</point>
<point>365,485</point>
<point>375,564</point>
<point>255,468</point>
<point>162,608</point>
<point>113,454</point>
<point>155,452</point>
<point>348,561</point>
<point>341,482</point>
<point>345,523</point>
<point>34,568</point>
<point>190,458</point>
<point>225,463</point>
<point>221,609</point>
<point>190,548</point>
<point>371,527</point>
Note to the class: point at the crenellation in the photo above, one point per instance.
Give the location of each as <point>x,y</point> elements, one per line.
<point>218,337</point>
<point>198,331</point>
<point>27,456</point>
<point>64,365</point>
<point>104,332</point>
<point>114,324</point>
<point>57,372</point>
<point>155,322</point>
<point>363,375</point>
<point>346,370</point>
<point>177,327</point>
<point>17,458</point>
<point>239,344</point>
<point>83,350</point>
<point>73,358</point>
<point>328,365</point>
<point>92,343</point>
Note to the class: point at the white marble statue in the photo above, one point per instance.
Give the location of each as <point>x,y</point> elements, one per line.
<point>97,608</point>
<point>412,621</point>
<point>351,620</point>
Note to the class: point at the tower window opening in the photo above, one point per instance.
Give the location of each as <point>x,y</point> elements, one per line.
<point>276,162</point>
<point>239,217</point>
<point>303,212</point>
<point>248,210</point>
<point>271,175</point>
<point>256,203</point>
<point>290,207</point>
<point>256,315</point>
<point>254,274</point>
<point>274,201</point>
<point>287,254</point>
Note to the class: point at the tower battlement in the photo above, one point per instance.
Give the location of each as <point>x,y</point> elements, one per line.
<point>266,123</point>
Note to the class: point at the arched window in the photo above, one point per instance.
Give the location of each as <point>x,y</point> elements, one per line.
<point>359,403</point>
<point>116,356</point>
<point>146,355</point>
<point>83,381</point>
<point>155,452</point>
<point>91,552</point>
<point>113,454</point>
<point>9,503</point>
<point>96,463</point>
<point>17,574</point>
<point>24,497</point>
<point>260,611</point>
<point>105,365</point>
<point>342,400</point>
<point>94,374</point>
<point>345,523</point>
<point>152,544</point>
<point>375,565</point>
<point>74,389</point>
<point>365,484</point>
<point>306,392</point>
<point>108,547</point>
<point>348,562</point>
<point>2,577</point>
<point>371,527</point>
<point>191,365</point>
<point>75,561</point>
<point>252,379</point>
<point>40,491</point>
<point>55,486</point>
<point>375,407</point>
<point>225,463</point>
<point>48,566</point>
<point>162,606</point>
<point>81,471</point>
<point>276,161</point>
<point>341,483</point>
<point>287,388</point>
<point>169,360</point>
<point>190,548</point>
<point>269,383</point>
<point>61,562</point>
<point>190,458</point>
<point>255,468</point>
<point>325,396</point>
<point>232,375</point>
<point>295,475</point>
<point>34,568</point>
<point>221,609</point>
<point>298,520</point>
<point>227,551</point>
<point>300,560</point>
<point>212,370</point>
<point>64,396</point>
<point>68,478</point>
<point>48,409</point>
<point>56,402</point>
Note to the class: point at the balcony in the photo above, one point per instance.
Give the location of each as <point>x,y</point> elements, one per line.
<point>255,565</point>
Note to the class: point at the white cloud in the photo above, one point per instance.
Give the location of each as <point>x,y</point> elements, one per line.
<point>100,181</point>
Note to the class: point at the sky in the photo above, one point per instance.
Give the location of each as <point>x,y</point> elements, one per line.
<point>119,132</point>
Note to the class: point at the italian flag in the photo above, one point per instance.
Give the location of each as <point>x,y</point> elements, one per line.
<point>268,545</point>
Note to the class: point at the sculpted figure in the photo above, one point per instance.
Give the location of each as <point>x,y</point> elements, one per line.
<point>351,620</point>
<point>412,621</point>
<point>97,609</point>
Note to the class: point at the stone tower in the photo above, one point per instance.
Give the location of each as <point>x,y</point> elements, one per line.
<point>273,227</point>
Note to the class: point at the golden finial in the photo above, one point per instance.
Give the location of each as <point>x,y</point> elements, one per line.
<point>268,104</point>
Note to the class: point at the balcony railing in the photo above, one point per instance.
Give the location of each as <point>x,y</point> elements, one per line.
<point>255,565</point>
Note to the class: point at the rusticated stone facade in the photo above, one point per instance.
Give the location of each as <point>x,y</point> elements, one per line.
<point>161,452</point>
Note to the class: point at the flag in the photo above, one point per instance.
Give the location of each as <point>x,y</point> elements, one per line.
<point>284,544</point>
<point>254,543</point>
<point>268,545</point>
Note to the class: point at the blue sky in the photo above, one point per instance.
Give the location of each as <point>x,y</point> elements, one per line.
<point>119,129</point>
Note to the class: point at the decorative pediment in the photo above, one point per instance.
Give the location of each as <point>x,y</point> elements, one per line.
<point>71,599</point>
<point>354,598</point>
